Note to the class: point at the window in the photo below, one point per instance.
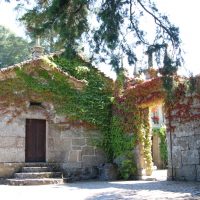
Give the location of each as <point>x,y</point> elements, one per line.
<point>33,103</point>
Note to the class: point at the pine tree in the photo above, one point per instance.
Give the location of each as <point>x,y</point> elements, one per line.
<point>112,28</point>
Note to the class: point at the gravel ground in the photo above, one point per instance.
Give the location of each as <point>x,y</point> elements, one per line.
<point>94,190</point>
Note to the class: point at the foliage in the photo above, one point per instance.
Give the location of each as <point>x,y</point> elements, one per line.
<point>145,139</point>
<point>14,49</point>
<point>161,132</point>
<point>180,108</point>
<point>144,95</point>
<point>126,165</point>
<point>180,92</point>
<point>91,105</point>
<point>64,20</point>
<point>116,29</point>
<point>122,139</point>
<point>148,93</point>
<point>94,102</point>
<point>134,122</point>
<point>115,140</point>
<point>169,77</point>
<point>121,142</point>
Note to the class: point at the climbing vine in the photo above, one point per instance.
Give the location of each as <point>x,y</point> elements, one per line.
<point>132,117</point>
<point>179,101</point>
<point>122,116</point>
<point>180,93</point>
<point>92,104</point>
<point>161,133</point>
<point>146,132</point>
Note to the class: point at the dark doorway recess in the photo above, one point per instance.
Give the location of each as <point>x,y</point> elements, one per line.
<point>35,147</point>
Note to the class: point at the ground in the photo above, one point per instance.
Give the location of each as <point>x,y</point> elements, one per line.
<point>99,190</point>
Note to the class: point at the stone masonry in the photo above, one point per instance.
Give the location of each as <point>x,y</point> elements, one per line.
<point>184,148</point>
<point>69,147</point>
<point>73,148</point>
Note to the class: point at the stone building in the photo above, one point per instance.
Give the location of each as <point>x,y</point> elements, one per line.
<point>184,140</point>
<point>182,125</point>
<point>31,131</point>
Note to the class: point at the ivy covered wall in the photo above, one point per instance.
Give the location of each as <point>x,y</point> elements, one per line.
<point>90,100</point>
<point>35,83</point>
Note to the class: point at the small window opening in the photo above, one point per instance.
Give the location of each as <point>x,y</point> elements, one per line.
<point>33,103</point>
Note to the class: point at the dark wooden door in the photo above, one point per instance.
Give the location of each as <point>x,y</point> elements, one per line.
<point>35,147</point>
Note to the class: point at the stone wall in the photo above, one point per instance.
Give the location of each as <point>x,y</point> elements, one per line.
<point>184,146</point>
<point>70,147</point>
<point>12,140</point>
<point>73,148</point>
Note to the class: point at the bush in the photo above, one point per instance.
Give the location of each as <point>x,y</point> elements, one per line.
<point>126,166</point>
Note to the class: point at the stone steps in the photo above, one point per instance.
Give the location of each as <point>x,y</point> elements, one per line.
<point>37,164</point>
<point>35,169</point>
<point>36,174</point>
<point>44,181</point>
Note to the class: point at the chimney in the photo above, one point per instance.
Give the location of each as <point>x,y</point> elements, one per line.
<point>149,53</point>
<point>135,71</point>
<point>150,59</point>
<point>37,50</point>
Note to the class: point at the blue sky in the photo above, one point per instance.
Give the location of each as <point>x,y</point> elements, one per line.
<point>184,14</point>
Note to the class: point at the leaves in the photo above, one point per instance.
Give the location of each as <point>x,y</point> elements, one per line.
<point>13,49</point>
<point>110,27</point>
<point>66,19</point>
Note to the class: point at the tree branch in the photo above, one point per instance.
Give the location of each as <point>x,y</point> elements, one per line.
<point>78,9</point>
<point>158,22</point>
<point>134,27</point>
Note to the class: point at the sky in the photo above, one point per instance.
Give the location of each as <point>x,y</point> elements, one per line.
<point>8,17</point>
<point>184,14</point>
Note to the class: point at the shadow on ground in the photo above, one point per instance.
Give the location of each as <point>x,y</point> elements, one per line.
<point>99,190</point>
<point>139,189</point>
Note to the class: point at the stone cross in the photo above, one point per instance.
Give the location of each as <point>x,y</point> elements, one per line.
<point>37,50</point>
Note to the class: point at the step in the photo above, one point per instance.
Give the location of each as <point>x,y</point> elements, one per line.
<point>36,164</point>
<point>35,169</point>
<point>37,175</point>
<point>44,181</point>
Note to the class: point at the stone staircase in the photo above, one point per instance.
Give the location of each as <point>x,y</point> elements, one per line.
<point>36,174</point>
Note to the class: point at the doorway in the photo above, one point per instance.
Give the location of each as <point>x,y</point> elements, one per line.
<point>35,146</point>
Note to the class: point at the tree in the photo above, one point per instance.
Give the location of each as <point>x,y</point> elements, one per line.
<point>13,49</point>
<point>113,28</point>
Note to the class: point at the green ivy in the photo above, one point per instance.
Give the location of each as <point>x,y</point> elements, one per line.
<point>92,104</point>
<point>121,152</point>
<point>121,142</point>
<point>146,133</point>
<point>94,101</point>
<point>127,166</point>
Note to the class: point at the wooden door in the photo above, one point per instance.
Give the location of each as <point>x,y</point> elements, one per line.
<point>35,147</point>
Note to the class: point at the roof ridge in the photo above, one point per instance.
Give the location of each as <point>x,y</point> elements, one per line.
<point>8,72</point>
